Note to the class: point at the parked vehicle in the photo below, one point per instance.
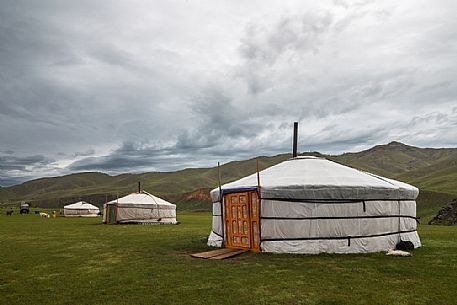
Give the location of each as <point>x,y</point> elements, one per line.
<point>25,208</point>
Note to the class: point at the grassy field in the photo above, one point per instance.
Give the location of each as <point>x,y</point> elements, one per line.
<point>80,261</point>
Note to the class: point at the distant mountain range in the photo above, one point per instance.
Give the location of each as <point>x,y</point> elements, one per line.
<point>432,170</point>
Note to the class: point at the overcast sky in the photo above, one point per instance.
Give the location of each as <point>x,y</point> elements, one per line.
<point>134,86</point>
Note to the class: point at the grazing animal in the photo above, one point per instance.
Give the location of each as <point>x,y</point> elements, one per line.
<point>405,245</point>
<point>398,253</point>
<point>9,213</point>
<point>44,215</point>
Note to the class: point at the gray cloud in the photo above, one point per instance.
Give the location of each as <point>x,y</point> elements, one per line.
<point>161,86</point>
<point>15,169</point>
<point>298,33</point>
<point>86,153</point>
<point>9,162</point>
<point>262,47</point>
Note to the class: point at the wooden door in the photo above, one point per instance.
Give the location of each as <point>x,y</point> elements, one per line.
<point>241,219</point>
<point>111,214</point>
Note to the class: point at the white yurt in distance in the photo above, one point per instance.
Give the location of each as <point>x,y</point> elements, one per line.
<point>81,209</point>
<point>139,207</point>
<point>313,205</point>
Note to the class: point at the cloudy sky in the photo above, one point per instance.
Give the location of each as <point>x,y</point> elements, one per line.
<point>134,86</point>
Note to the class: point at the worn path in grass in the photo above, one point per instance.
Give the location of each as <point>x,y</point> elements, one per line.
<point>80,261</point>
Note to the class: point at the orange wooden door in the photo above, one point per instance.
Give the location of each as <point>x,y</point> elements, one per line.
<point>242,220</point>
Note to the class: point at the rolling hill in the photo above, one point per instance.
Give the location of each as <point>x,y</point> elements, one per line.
<point>433,170</point>
<point>427,168</point>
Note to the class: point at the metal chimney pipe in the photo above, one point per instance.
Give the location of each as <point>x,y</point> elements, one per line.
<point>294,153</point>
<point>139,187</point>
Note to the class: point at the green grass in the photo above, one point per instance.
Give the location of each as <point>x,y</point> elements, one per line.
<point>80,261</point>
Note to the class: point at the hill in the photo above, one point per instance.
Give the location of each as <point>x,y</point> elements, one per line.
<point>94,186</point>
<point>433,170</point>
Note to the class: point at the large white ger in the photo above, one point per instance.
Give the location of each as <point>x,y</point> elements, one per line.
<point>81,209</point>
<point>313,205</point>
<point>139,207</point>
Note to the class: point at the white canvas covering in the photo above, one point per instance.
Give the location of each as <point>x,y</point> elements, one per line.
<point>80,209</point>
<point>143,208</point>
<point>313,205</point>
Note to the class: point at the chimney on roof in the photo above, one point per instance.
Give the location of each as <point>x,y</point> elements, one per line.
<point>294,152</point>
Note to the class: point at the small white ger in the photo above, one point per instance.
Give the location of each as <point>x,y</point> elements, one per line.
<point>141,208</point>
<point>81,209</point>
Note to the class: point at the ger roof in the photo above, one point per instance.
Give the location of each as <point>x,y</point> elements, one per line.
<point>318,178</point>
<point>141,198</point>
<point>81,205</point>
